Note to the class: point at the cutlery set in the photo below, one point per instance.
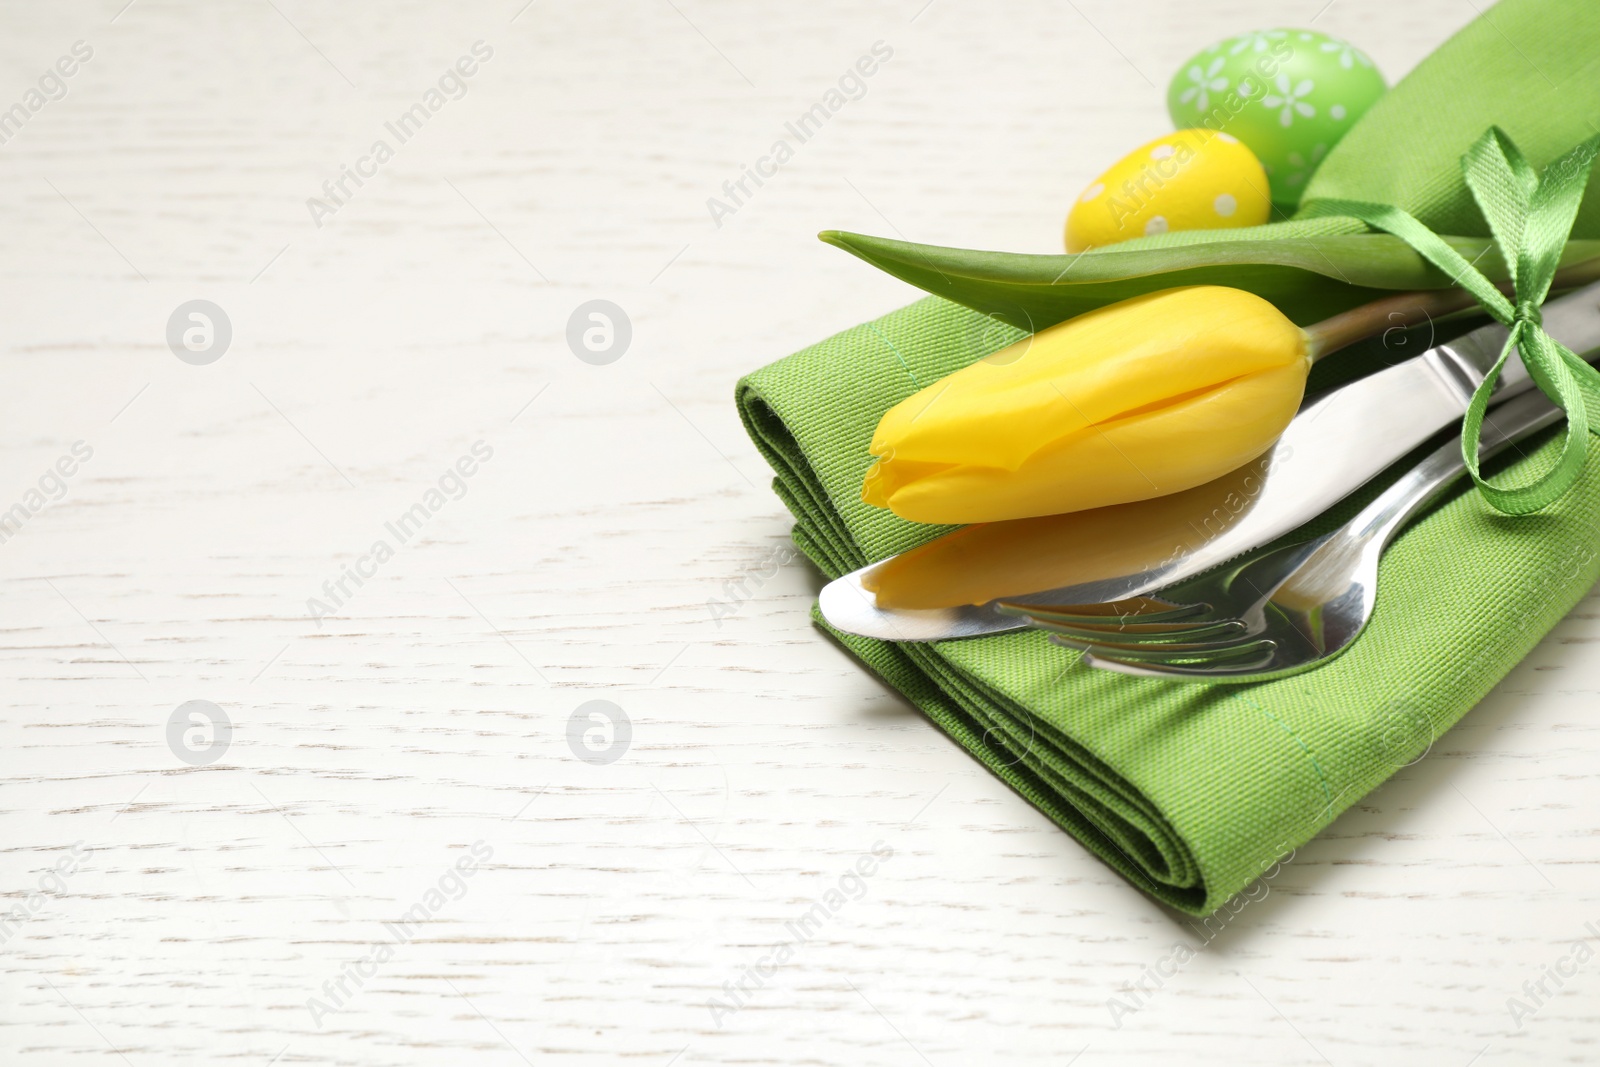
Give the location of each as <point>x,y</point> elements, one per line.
<point>1213,597</point>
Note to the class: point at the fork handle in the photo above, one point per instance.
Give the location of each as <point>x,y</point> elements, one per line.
<point>1503,425</point>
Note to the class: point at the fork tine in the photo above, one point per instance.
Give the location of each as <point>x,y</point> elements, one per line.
<point>1202,632</point>
<point>1235,673</point>
<point>1144,609</point>
<point>1169,621</point>
<point>1197,656</point>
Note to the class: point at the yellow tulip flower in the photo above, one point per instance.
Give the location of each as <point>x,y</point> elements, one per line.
<point>1138,399</point>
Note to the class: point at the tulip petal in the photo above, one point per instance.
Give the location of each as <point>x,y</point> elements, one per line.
<point>1141,398</point>
<point>1161,451</point>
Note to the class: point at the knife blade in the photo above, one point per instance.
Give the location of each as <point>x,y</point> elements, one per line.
<point>1335,444</point>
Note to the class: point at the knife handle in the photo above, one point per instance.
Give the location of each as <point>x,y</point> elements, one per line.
<point>1504,425</point>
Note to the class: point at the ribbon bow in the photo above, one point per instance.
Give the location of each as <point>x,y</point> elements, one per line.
<point>1530,217</point>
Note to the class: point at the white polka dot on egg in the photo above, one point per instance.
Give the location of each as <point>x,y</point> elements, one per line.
<point>1225,205</point>
<point>1338,112</point>
<point>1162,151</point>
<point>1093,191</point>
<point>1156,225</point>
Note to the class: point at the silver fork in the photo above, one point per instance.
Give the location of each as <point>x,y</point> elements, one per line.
<point>1275,613</point>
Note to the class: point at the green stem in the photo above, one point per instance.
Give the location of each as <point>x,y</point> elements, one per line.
<point>1411,309</point>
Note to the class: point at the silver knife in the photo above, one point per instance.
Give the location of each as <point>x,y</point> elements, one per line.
<point>1337,443</point>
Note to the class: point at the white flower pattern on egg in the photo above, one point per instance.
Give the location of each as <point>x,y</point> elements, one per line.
<point>1348,54</point>
<point>1255,42</point>
<point>1304,168</point>
<point>1291,100</point>
<point>1204,83</point>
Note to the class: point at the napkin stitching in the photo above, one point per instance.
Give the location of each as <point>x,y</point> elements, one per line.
<point>903,364</point>
<point>1321,779</point>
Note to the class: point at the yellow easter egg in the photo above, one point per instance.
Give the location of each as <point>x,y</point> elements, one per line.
<point>1188,180</point>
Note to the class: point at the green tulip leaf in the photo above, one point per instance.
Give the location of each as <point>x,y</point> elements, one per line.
<point>1309,278</point>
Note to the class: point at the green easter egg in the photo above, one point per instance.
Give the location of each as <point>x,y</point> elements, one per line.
<point>1287,94</point>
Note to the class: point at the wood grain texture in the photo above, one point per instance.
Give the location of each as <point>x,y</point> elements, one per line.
<point>206,906</point>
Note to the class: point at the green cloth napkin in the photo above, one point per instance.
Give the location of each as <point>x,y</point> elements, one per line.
<point>1192,791</point>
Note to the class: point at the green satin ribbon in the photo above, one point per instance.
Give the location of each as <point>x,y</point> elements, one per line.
<point>1530,217</point>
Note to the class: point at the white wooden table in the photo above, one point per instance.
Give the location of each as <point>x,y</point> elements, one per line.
<point>290,890</point>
